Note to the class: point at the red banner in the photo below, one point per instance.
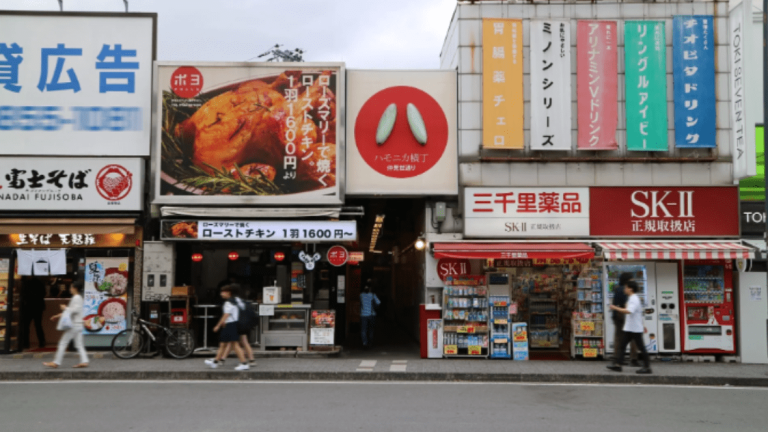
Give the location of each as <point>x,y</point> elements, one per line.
<point>664,212</point>
<point>597,85</point>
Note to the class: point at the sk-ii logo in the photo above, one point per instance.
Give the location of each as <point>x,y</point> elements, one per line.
<point>662,204</point>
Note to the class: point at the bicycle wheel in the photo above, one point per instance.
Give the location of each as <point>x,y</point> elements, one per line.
<point>180,343</point>
<point>128,343</point>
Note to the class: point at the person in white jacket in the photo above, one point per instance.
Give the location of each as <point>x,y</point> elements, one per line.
<point>75,310</point>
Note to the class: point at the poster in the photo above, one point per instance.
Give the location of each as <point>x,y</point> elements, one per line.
<point>756,293</point>
<point>597,79</point>
<point>550,85</point>
<point>503,84</point>
<point>249,134</point>
<point>322,327</point>
<point>693,61</point>
<point>646,85</point>
<point>105,295</point>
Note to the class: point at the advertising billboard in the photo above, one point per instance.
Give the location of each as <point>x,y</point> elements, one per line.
<point>550,85</point>
<point>597,80</point>
<point>249,133</point>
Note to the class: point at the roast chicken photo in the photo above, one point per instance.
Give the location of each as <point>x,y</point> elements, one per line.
<point>236,141</point>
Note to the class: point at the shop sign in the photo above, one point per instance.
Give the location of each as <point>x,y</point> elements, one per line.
<point>597,85</point>
<point>451,350</point>
<point>560,261</point>
<point>509,263</point>
<point>356,257</point>
<point>753,218</point>
<point>665,212</point>
<point>76,85</point>
<point>257,133</point>
<point>550,84</point>
<point>266,231</point>
<point>309,260</point>
<point>526,212</point>
<point>338,256</point>
<point>452,267</point>
<point>693,61</point>
<point>402,133</point>
<point>62,240</point>
<point>743,114</point>
<point>55,184</point>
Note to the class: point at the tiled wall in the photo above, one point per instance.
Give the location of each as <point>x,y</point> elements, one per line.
<point>463,51</point>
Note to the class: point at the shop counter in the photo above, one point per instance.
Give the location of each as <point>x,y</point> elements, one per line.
<point>287,327</point>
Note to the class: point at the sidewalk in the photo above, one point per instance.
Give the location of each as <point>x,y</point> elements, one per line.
<point>383,366</point>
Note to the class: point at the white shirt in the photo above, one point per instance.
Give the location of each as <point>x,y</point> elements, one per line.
<point>75,309</point>
<point>634,321</point>
<point>232,310</point>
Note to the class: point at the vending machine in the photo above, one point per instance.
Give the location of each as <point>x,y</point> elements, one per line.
<point>644,273</point>
<point>668,297</point>
<point>708,306</point>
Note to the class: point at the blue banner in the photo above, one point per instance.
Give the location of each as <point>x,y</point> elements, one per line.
<point>693,59</point>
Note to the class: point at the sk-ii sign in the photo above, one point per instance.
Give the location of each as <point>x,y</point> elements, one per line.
<point>450,267</point>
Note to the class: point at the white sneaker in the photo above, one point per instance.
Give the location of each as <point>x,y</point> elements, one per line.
<point>242,367</point>
<point>212,363</point>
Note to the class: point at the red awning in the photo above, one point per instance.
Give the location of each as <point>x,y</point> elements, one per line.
<point>513,250</point>
<point>675,251</point>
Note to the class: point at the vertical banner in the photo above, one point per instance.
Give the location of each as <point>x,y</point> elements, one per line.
<point>598,87</point>
<point>105,298</point>
<point>693,61</point>
<point>646,85</point>
<point>550,85</point>
<point>743,108</point>
<point>503,84</point>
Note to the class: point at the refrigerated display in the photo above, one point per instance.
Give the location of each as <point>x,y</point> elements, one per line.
<point>708,320</point>
<point>587,325</point>
<point>644,274</point>
<point>499,289</point>
<point>465,321</point>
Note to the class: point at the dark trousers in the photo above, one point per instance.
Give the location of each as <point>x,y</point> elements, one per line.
<point>26,321</point>
<point>618,336</point>
<point>637,338</point>
<point>366,329</point>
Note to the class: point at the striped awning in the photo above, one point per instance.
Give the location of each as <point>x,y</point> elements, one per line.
<point>673,250</point>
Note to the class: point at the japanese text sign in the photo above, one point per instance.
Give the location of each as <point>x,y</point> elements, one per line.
<point>56,184</point>
<point>597,85</point>
<point>526,212</point>
<point>550,85</point>
<point>646,85</point>
<point>503,84</point>
<point>298,231</point>
<point>744,111</point>
<point>258,133</point>
<point>76,84</point>
<point>693,54</point>
<point>665,211</point>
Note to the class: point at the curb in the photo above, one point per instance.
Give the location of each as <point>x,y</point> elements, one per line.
<point>383,376</point>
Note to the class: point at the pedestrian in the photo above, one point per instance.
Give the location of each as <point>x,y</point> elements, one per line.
<point>368,303</point>
<point>620,300</point>
<point>228,326</point>
<point>243,334</point>
<point>32,308</point>
<point>75,311</point>
<point>633,329</point>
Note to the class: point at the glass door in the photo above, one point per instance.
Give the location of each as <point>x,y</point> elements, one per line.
<point>644,274</point>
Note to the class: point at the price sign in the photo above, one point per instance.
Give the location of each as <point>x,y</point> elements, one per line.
<point>588,325</point>
<point>590,352</point>
<point>475,350</point>
<point>500,321</point>
<point>500,341</point>
<point>465,329</point>
<point>451,350</point>
<point>500,303</point>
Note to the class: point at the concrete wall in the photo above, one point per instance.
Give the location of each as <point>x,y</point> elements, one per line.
<point>463,51</point>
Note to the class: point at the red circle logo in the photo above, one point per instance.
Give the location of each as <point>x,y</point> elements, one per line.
<point>186,82</point>
<point>412,147</point>
<point>337,256</point>
<point>114,182</point>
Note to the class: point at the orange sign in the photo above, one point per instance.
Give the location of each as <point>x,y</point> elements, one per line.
<point>590,352</point>
<point>451,350</point>
<point>503,84</point>
<point>465,329</point>
<point>588,325</point>
<point>500,321</point>
<point>475,350</point>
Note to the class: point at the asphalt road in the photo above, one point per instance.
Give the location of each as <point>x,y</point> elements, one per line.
<point>275,406</point>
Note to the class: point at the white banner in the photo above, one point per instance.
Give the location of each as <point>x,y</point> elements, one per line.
<point>55,184</point>
<point>526,212</point>
<point>270,231</point>
<point>743,108</point>
<point>75,85</point>
<point>550,85</point>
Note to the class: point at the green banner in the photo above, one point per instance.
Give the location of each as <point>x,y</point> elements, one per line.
<point>753,188</point>
<point>646,85</point>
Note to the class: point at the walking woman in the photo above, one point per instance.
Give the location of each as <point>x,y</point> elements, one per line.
<point>75,310</point>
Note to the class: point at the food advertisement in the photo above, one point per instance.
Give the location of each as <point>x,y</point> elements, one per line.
<point>105,295</point>
<point>322,327</point>
<point>252,133</point>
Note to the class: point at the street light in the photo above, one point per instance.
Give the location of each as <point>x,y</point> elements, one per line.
<point>420,244</point>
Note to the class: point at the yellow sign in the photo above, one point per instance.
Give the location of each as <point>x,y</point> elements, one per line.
<point>503,84</point>
<point>500,341</point>
<point>451,350</point>
<point>475,350</point>
<point>465,329</point>
<point>500,321</point>
<point>590,352</point>
<point>588,325</point>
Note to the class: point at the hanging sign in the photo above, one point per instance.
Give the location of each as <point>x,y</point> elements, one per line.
<point>550,85</point>
<point>503,84</point>
<point>338,256</point>
<point>356,257</point>
<point>233,230</point>
<point>693,61</point>
<point>646,85</point>
<point>743,112</point>
<point>597,85</point>
<point>309,260</point>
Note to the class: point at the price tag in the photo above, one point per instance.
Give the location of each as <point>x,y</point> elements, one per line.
<point>500,341</point>
<point>451,350</point>
<point>465,329</point>
<point>590,352</point>
<point>500,321</point>
<point>475,350</point>
<point>499,303</point>
<point>588,325</point>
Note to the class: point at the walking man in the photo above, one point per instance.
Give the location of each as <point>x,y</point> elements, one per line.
<point>368,302</point>
<point>620,300</point>
<point>633,329</point>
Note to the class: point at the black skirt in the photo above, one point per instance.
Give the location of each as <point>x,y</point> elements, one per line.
<point>229,333</point>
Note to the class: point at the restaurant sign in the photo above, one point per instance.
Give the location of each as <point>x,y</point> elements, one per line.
<point>267,231</point>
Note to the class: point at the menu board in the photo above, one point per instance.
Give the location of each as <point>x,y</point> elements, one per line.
<point>322,326</point>
<point>106,295</point>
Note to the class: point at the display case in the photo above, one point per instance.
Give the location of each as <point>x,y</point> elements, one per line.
<point>465,321</point>
<point>501,345</point>
<point>587,322</point>
<point>9,309</point>
<point>287,327</point>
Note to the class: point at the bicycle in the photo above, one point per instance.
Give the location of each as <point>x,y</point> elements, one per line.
<point>179,343</point>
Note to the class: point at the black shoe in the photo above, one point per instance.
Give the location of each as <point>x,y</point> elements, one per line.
<point>645,371</point>
<point>616,368</point>
<point>634,363</point>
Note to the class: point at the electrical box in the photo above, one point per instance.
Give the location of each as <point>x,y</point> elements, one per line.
<point>439,214</point>
<point>159,271</point>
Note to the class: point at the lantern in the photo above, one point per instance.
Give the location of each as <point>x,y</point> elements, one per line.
<point>197,257</point>
<point>279,256</point>
<point>233,256</point>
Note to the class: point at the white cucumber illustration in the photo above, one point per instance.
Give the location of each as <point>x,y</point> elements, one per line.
<point>418,127</point>
<point>386,124</point>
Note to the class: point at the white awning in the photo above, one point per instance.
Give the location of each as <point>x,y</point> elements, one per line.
<point>675,250</point>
